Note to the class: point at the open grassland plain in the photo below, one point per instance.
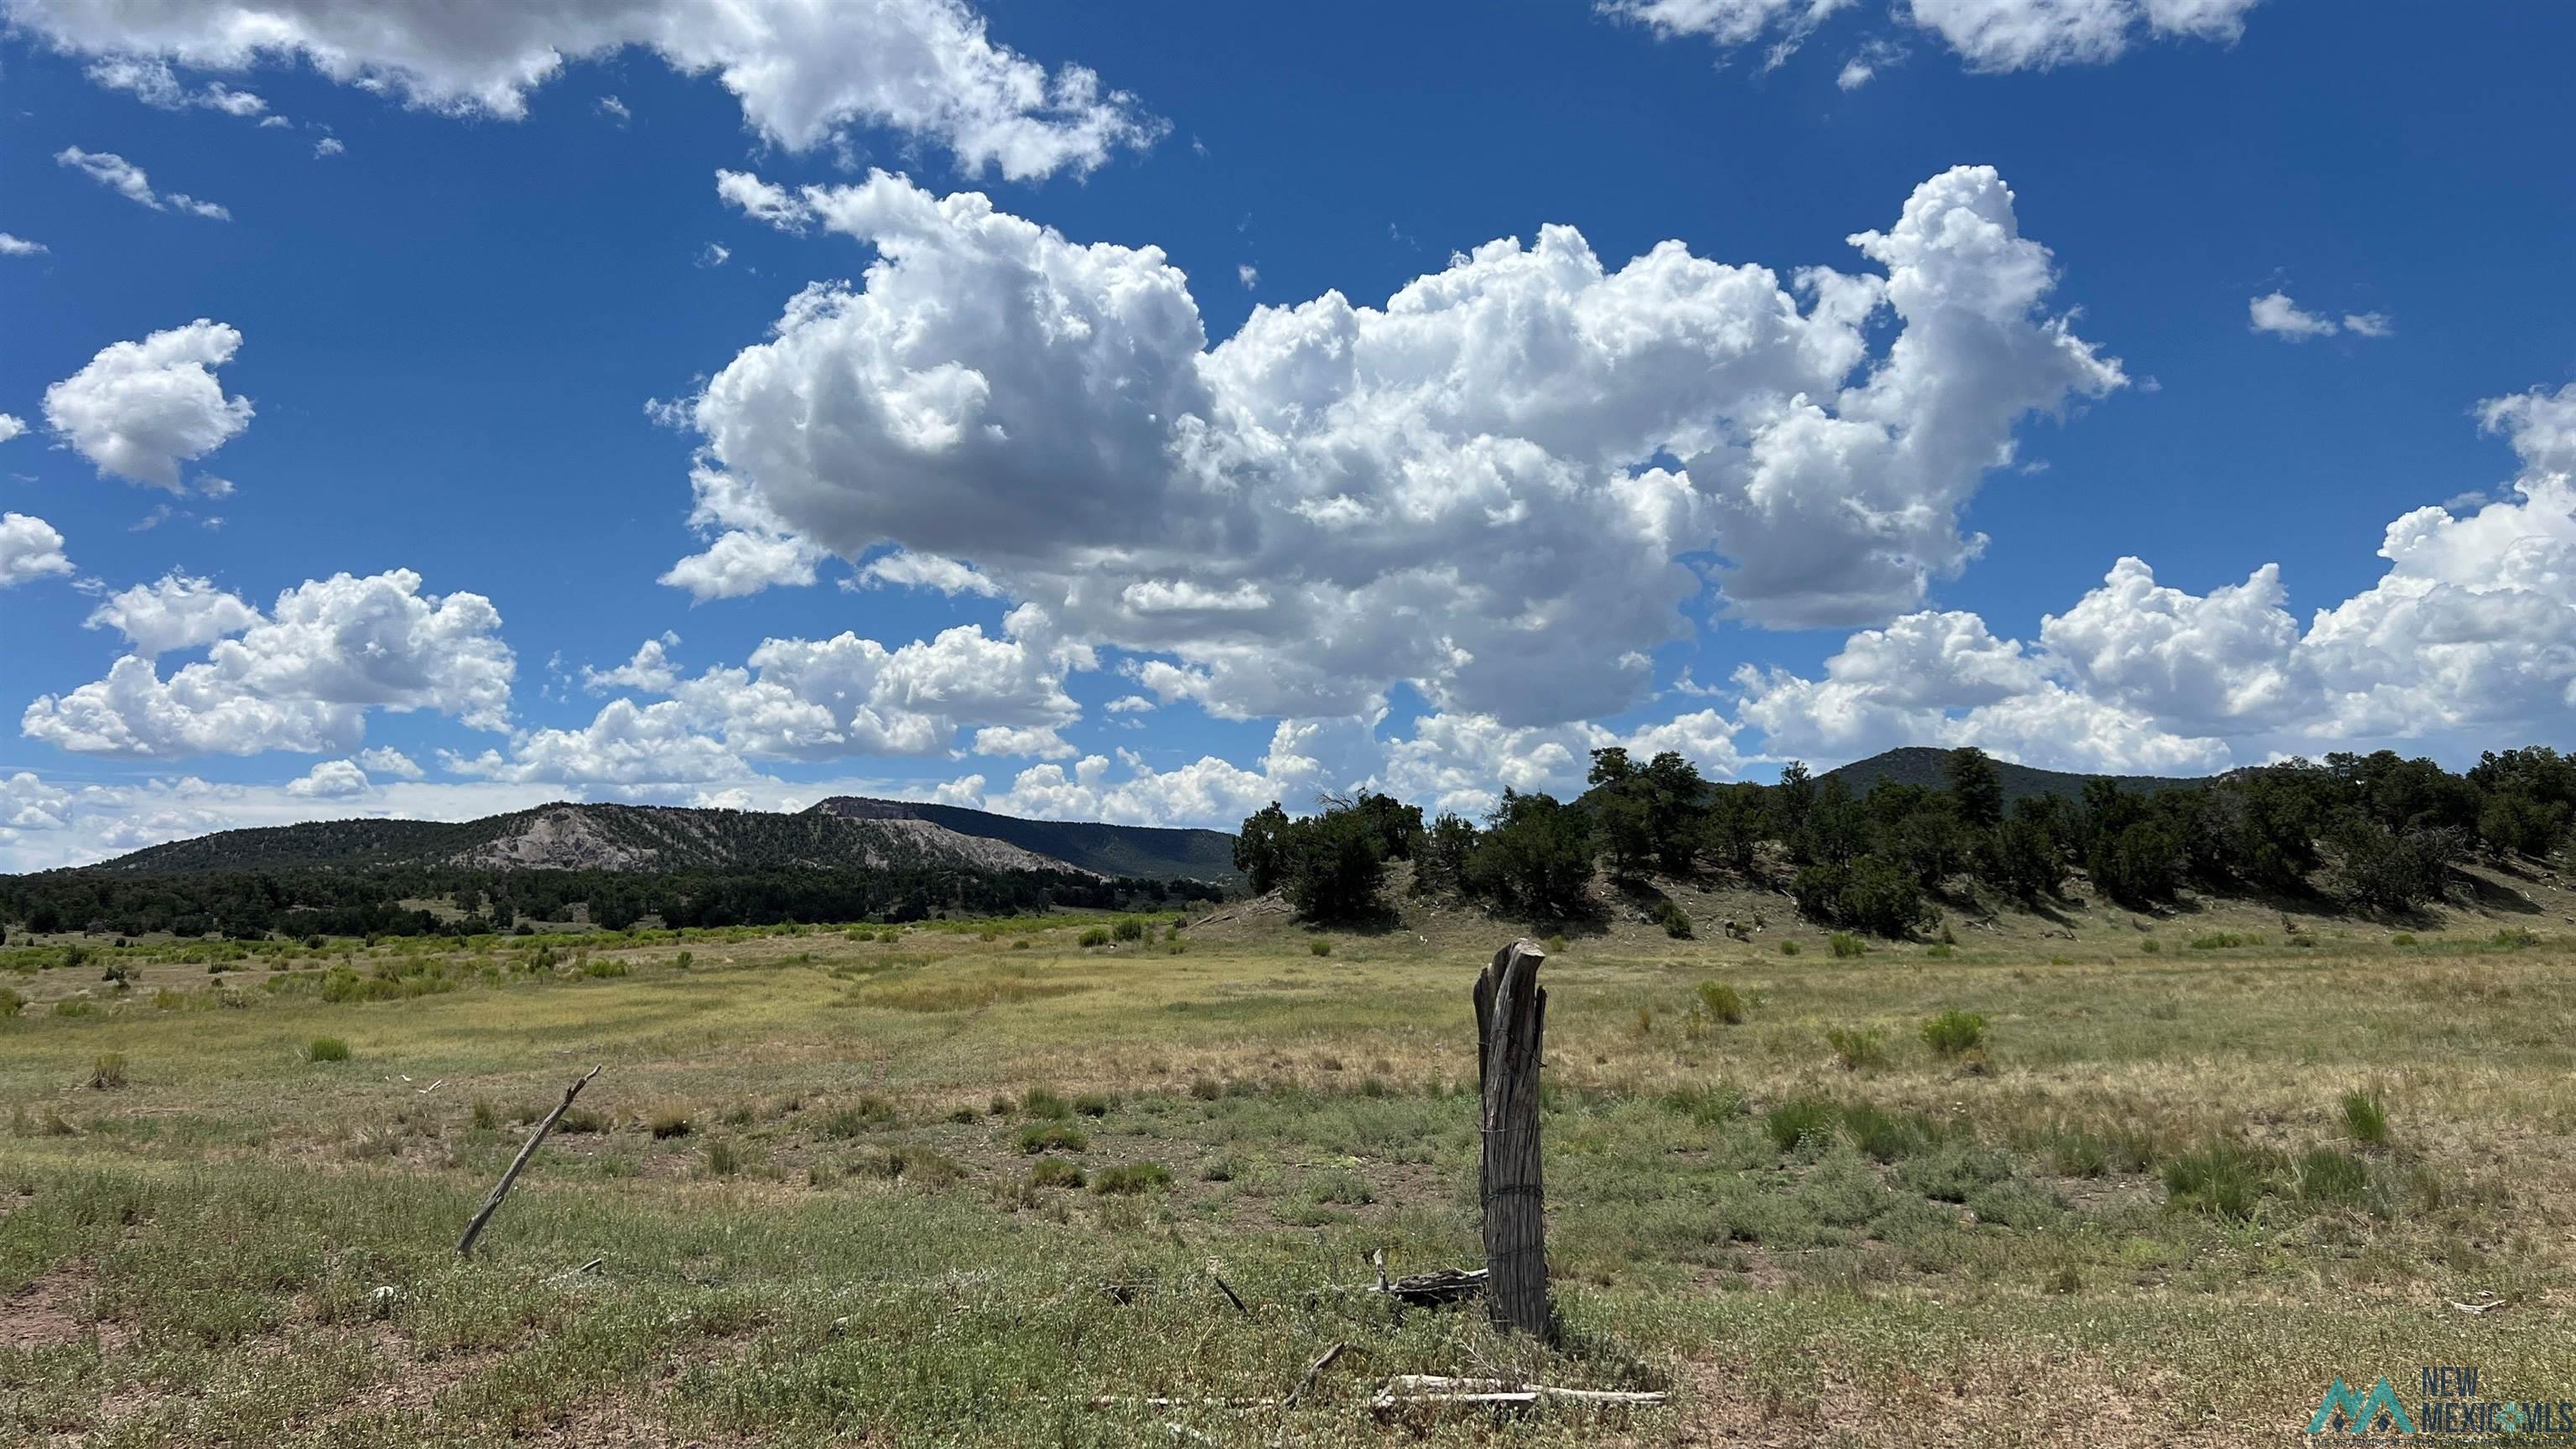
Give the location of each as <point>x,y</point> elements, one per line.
<point>2134,1181</point>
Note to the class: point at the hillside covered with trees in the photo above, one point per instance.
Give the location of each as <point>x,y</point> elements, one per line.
<point>2371,833</point>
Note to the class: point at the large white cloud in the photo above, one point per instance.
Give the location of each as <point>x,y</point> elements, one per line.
<point>30,548</point>
<point>140,409</point>
<point>804,70</point>
<point>1489,487</point>
<point>2470,635</point>
<point>300,677</point>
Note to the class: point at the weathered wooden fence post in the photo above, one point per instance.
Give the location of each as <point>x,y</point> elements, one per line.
<point>1511,1027</point>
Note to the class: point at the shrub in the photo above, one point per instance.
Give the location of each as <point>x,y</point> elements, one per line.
<point>667,1124</point>
<point>1052,1136</point>
<point>1939,952</point>
<point>1095,936</point>
<point>1870,894</point>
<point>2402,938</point>
<point>2222,1179</point>
<point>1319,948</point>
<point>1055,1172</point>
<point>1675,921</point>
<point>1129,929</point>
<point>74,1006</point>
<point>1720,1002</point>
<point>1800,1119</point>
<point>601,968</point>
<point>2219,941</point>
<point>1040,1103</point>
<point>107,1072</point>
<point>2365,1118</point>
<point>1092,1104</point>
<point>10,1002</point>
<point>326,1049</point>
<point>1954,1032</point>
<point>683,959</point>
<point>2513,938</point>
<point>1857,1047</point>
<point>1844,944</point>
<point>1788,948</point>
<point>2151,945</point>
<point>723,1159</point>
<point>1020,944</point>
<point>1130,1178</point>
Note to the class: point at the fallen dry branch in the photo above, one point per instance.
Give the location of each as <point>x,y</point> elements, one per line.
<point>501,1189</point>
<point>1436,1289</point>
<point>1407,1390</point>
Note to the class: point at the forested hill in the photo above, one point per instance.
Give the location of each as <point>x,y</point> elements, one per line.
<point>1138,851</point>
<point>1918,765</point>
<point>594,838</point>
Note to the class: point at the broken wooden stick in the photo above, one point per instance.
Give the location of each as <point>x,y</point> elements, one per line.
<point>1312,1369</point>
<point>1227,1289</point>
<point>501,1189</point>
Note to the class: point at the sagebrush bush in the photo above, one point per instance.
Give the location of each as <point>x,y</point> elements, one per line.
<point>1857,1047</point>
<point>326,1049</point>
<point>1095,936</point>
<point>1844,943</point>
<point>683,960</point>
<point>1129,928</point>
<point>1721,1003</point>
<point>1953,1033</point>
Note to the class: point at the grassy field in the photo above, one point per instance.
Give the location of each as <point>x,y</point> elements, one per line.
<point>975,1184</point>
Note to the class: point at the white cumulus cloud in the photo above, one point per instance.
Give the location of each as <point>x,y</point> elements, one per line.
<point>30,548</point>
<point>804,70</point>
<point>140,409</point>
<point>1473,488</point>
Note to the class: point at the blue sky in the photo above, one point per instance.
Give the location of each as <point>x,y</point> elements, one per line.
<point>2207,284</point>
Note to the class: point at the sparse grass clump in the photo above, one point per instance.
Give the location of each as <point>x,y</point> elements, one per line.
<point>2223,1179</point>
<point>1319,947</point>
<point>1095,936</point>
<point>2365,1117</point>
<point>1056,1172</point>
<point>2331,1176</point>
<point>1953,1033</point>
<point>107,1071</point>
<point>2222,941</point>
<point>1131,1178</point>
<point>723,1159</point>
<point>1092,1104</point>
<point>1052,1137</point>
<point>326,1049</point>
<point>1788,947</point>
<point>858,1118</point>
<point>918,1166</point>
<point>1810,1120</point>
<point>1845,944</point>
<point>668,1123</point>
<point>1045,1105</point>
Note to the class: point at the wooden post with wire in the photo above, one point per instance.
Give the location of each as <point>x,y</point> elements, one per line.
<point>1511,1028</point>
